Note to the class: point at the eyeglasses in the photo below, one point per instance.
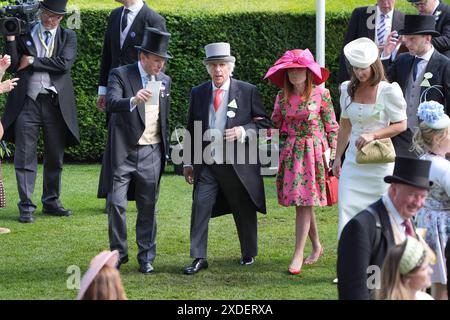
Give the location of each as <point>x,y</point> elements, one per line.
<point>419,4</point>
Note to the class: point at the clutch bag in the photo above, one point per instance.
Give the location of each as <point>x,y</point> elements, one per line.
<point>376,151</point>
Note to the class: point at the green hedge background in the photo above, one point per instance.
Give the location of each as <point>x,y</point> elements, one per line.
<point>257,40</point>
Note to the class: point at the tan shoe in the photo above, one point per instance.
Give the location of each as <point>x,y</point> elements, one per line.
<point>4,230</point>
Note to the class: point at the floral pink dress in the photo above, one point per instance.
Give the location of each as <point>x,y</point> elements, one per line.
<point>310,128</point>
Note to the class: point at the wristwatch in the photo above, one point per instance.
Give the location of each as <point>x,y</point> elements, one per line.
<point>30,60</point>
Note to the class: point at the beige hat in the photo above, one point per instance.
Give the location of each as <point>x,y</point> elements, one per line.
<point>361,53</point>
<point>4,230</point>
<point>107,258</point>
<point>413,256</point>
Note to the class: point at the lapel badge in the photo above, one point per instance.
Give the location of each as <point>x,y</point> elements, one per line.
<point>29,43</point>
<point>133,34</point>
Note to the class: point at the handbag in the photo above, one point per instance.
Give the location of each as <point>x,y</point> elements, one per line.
<point>376,151</point>
<point>331,185</point>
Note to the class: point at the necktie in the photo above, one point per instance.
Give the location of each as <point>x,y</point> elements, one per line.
<point>217,99</point>
<point>415,63</point>
<point>381,29</point>
<point>48,36</point>
<point>408,228</point>
<point>125,18</point>
<point>147,79</point>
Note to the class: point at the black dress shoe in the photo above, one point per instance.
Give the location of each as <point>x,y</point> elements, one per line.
<point>59,212</point>
<point>146,268</point>
<point>121,261</point>
<point>26,217</point>
<point>196,266</point>
<point>247,261</point>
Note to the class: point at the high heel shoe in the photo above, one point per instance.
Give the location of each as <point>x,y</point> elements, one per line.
<point>294,271</point>
<point>310,261</point>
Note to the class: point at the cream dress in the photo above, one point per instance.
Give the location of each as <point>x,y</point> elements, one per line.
<point>362,184</point>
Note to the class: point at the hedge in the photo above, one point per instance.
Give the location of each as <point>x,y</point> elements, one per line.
<point>257,41</point>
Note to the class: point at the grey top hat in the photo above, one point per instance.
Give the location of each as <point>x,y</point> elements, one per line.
<point>218,51</point>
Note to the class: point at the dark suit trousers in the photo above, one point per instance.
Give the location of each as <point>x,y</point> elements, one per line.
<point>402,144</point>
<point>143,165</point>
<point>212,178</point>
<point>35,114</point>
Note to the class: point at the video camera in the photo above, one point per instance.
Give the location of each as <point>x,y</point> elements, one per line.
<point>18,19</point>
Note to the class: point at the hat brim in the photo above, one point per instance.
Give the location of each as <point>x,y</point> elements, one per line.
<point>433,33</point>
<point>43,6</point>
<point>216,59</point>
<point>165,55</point>
<point>276,75</point>
<point>107,258</point>
<point>396,179</point>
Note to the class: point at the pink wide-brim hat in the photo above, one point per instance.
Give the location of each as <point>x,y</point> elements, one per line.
<point>104,258</point>
<point>296,59</point>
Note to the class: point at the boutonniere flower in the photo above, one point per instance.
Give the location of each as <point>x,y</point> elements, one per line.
<point>437,14</point>
<point>426,77</point>
<point>233,104</point>
<point>232,108</point>
<point>377,111</point>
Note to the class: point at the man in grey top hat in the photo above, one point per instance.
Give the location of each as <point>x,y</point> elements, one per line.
<point>227,111</point>
<point>137,143</point>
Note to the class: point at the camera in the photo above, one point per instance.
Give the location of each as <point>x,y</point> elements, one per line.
<point>17,19</point>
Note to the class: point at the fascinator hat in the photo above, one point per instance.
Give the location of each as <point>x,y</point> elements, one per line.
<point>413,256</point>
<point>361,53</point>
<point>104,258</point>
<point>433,115</point>
<point>296,59</point>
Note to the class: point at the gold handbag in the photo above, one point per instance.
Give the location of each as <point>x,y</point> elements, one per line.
<point>376,151</point>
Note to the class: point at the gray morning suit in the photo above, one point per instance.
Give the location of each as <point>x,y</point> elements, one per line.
<point>129,168</point>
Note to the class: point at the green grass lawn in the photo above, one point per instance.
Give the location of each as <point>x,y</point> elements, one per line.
<point>35,257</point>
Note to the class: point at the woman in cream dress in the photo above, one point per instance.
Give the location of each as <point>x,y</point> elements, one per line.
<point>371,109</point>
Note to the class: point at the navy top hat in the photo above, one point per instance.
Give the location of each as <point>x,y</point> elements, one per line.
<point>55,6</point>
<point>411,171</point>
<point>156,42</point>
<point>419,25</point>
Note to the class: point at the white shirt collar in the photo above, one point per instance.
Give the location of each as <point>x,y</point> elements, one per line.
<point>387,15</point>
<point>136,7</point>
<point>437,5</point>
<point>40,27</point>
<point>225,86</point>
<point>143,73</point>
<point>427,56</point>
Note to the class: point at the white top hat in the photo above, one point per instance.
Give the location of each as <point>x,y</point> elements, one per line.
<point>219,51</point>
<point>361,53</point>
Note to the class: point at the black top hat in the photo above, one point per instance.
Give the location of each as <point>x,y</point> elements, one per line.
<point>155,42</point>
<point>411,171</point>
<point>55,6</point>
<point>419,25</point>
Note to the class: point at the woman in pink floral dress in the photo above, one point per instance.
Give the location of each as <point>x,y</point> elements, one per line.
<point>306,114</point>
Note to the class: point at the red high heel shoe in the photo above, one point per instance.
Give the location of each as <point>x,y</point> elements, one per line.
<point>294,272</point>
<point>309,261</point>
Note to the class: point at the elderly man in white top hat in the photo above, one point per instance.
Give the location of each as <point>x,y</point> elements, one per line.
<point>231,111</point>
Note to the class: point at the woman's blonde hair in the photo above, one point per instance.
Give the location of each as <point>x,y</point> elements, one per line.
<point>377,76</point>
<point>289,87</point>
<point>106,285</point>
<point>393,284</point>
<point>425,138</point>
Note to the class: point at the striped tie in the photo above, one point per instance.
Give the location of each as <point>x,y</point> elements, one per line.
<point>381,29</point>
